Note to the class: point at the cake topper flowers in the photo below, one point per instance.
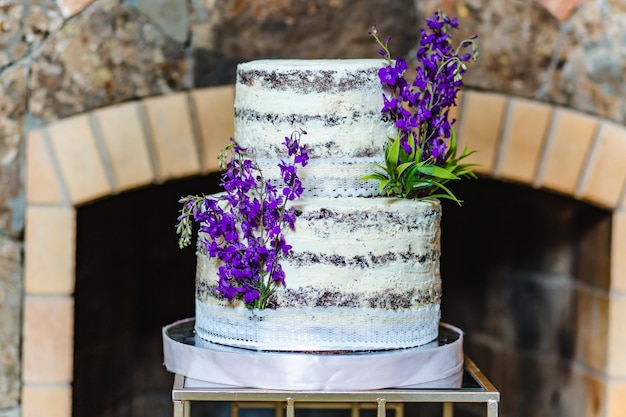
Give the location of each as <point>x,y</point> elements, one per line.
<point>422,158</point>
<point>243,226</point>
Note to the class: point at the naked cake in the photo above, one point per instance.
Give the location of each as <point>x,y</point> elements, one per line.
<point>318,265</point>
<point>363,270</point>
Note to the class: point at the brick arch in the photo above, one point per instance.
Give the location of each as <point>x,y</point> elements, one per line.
<point>546,146</point>
<point>110,150</point>
<point>80,159</point>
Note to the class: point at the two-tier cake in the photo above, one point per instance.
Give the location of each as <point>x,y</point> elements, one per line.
<point>363,270</point>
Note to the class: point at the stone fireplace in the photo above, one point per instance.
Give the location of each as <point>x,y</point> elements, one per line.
<point>103,98</point>
<point>175,136</point>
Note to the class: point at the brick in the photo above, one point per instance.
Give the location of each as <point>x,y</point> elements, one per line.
<point>49,253</point>
<point>524,136</point>
<point>71,7</point>
<point>607,170</point>
<point>589,395</point>
<point>572,135</point>
<point>616,399</point>
<point>215,113</point>
<point>79,159</point>
<point>170,125</point>
<point>126,145</point>
<point>561,9</point>
<point>618,249</point>
<point>616,366</point>
<point>47,401</point>
<point>48,339</point>
<point>480,127</point>
<point>42,182</point>
<point>592,328</point>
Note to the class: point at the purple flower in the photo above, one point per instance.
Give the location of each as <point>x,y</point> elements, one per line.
<point>288,172</point>
<point>250,295</point>
<point>302,159</point>
<point>392,75</point>
<point>243,227</point>
<point>387,75</point>
<point>437,148</point>
<point>433,90</point>
<point>390,106</point>
<point>419,108</point>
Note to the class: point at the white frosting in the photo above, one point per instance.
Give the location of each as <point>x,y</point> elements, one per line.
<point>330,176</point>
<point>337,102</point>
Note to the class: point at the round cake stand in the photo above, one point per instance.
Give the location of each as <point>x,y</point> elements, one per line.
<point>438,364</point>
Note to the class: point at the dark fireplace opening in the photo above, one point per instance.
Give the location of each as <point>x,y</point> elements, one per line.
<point>519,268</point>
<point>516,263</point>
<point>131,280</point>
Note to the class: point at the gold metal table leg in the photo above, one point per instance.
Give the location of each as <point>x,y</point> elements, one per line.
<point>355,410</point>
<point>492,408</point>
<point>234,409</point>
<point>178,409</point>
<point>381,411</point>
<point>448,410</point>
<point>182,408</point>
<point>291,407</point>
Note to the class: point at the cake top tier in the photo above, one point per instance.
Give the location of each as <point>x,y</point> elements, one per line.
<point>300,64</point>
<point>336,101</point>
<point>302,76</point>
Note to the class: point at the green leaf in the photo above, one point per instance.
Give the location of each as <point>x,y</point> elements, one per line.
<point>446,197</point>
<point>452,148</point>
<point>412,174</point>
<point>392,152</point>
<point>465,172</point>
<point>435,171</point>
<point>401,168</point>
<point>447,191</point>
<point>375,176</point>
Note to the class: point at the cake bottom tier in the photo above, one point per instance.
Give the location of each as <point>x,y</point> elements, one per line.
<point>317,329</point>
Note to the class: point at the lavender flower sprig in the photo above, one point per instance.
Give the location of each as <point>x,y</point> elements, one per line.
<point>243,227</point>
<point>422,158</point>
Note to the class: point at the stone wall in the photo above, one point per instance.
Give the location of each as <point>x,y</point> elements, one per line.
<point>63,57</point>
